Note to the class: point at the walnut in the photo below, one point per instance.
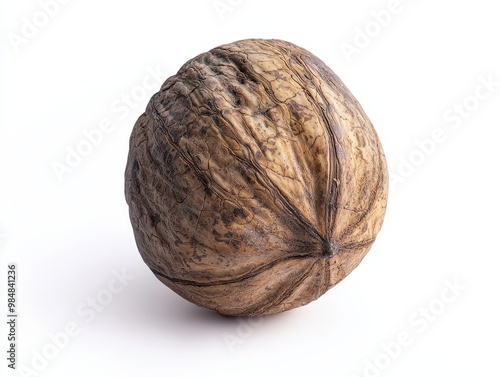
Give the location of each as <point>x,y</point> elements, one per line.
<point>255,181</point>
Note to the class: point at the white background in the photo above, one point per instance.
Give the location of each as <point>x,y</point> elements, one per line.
<point>69,236</point>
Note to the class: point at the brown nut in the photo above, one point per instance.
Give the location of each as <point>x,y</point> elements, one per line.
<point>255,181</point>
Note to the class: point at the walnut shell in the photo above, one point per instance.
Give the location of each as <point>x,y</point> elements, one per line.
<point>255,181</point>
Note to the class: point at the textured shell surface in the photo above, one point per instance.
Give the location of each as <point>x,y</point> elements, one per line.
<point>255,181</point>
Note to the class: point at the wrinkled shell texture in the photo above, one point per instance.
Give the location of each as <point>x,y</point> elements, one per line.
<point>255,181</point>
